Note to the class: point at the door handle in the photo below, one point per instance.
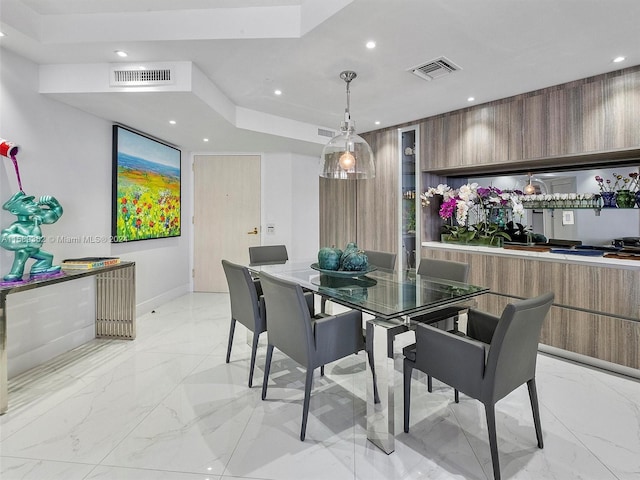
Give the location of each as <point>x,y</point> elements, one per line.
<point>254,232</point>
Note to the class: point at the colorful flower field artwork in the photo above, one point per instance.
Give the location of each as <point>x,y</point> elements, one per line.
<point>146,188</point>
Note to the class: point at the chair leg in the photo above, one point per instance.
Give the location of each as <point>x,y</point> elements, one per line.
<point>267,367</point>
<point>456,395</point>
<point>323,304</point>
<point>231,330</point>
<point>308,384</point>
<point>407,369</point>
<point>493,440</point>
<point>322,370</point>
<point>533,396</point>
<point>429,384</point>
<point>254,348</point>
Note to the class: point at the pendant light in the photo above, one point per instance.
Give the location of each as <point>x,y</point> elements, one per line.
<point>533,186</point>
<point>529,189</point>
<point>348,155</point>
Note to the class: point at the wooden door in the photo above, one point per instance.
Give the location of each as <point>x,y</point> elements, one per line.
<point>226,215</point>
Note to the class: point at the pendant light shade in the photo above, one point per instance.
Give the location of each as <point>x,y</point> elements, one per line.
<point>533,186</point>
<point>347,155</point>
<point>529,189</point>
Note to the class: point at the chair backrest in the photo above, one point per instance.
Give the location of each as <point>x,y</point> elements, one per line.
<point>383,260</point>
<point>514,346</point>
<point>289,318</point>
<point>268,255</point>
<point>444,269</point>
<point>245,307</point>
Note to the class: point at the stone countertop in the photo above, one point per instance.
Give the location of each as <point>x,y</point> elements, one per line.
<point>606,262</point>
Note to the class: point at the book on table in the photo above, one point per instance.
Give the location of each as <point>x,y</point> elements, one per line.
<point>86,263</point>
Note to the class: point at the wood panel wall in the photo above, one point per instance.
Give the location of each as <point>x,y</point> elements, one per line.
<point>337,212</point>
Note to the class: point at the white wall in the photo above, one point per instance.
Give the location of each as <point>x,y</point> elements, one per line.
<point>66,153</point>
<point>290,202</point>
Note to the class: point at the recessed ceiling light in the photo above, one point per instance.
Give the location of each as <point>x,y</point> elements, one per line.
<point>172,122</point>
<point>277,92</point>
<point>377,122</point>
<point>205,139</point>
<point>471,99</point>
<point>2,34</point>
<point>619,59</point>
<point>121,53</point>
<point>371,44</point>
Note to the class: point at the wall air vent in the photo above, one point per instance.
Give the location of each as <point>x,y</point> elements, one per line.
<point>435,68</point>
<point>323,132</point>
<point>140,76</point>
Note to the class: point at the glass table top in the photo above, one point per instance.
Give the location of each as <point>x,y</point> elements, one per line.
<point>381,293</point>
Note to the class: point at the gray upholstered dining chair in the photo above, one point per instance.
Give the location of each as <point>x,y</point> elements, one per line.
<point>248,308</point>
<point>445,270</point>
<point>268,255</point>
<point>383,260</point>
<point>497,356</point>
<point>311,342</point>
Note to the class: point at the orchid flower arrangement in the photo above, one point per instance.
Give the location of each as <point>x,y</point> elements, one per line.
<point>621,183</point>
<point>474,209</point>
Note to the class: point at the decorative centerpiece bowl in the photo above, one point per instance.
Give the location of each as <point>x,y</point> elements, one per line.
<point>350,262</point>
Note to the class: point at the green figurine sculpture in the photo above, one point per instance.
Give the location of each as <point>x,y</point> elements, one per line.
<point>24,236</point>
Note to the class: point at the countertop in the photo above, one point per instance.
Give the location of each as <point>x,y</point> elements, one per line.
<point>542,256</point>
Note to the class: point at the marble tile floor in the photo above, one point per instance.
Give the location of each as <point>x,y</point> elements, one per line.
<point>167,407</point>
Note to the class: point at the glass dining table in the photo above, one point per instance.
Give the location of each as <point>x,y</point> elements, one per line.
<point>390,299</point>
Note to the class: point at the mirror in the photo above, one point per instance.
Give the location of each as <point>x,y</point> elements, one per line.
<point>585,224</point>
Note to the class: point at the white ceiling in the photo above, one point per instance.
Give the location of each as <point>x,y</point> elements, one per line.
<point>248,48</point>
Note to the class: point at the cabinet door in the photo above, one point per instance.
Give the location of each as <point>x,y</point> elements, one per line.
<point>622,112</point>
<point>452,135</point>
<point>432,151</point>
<point>486,135</point>
<point>515,139</point>
<point>534,126</point>
<point>593,117</point>
<point>564,121</point>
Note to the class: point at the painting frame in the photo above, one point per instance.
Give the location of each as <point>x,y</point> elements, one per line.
<point>146,187</point>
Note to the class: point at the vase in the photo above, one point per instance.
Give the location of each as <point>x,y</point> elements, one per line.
<point>448,238</point>
<point>490,241</point>
<point>608,199</point>
<point>625,199</point>
<point>481,241</point>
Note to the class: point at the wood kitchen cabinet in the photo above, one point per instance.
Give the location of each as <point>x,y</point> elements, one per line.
<point>596,309</point>
<point>567,123</point>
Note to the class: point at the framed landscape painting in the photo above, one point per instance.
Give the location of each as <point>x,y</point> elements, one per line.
<point>146,187</point>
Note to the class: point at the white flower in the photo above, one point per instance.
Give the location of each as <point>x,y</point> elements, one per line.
<point>518,209</point>
<point>462,210</point>
<point>467,192</point>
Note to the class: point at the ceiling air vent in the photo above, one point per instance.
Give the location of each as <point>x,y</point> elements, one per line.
<point>326,133</point>
<point>140,76</point>
<point>435,69</point>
